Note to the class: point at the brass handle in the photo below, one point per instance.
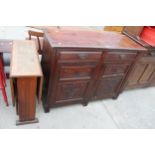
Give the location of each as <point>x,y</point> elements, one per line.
<point>122,56</point>
<point>152,54</point>
<point>83,55</point>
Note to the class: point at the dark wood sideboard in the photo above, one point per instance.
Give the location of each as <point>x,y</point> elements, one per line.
<point>143,73</point>
<point>85,65</point>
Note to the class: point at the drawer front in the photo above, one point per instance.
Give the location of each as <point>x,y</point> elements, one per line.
<point>110,69</point>
<point>93,56</point>
<point>71,90</point>
<point>118,56</point>
<point>75,72</point>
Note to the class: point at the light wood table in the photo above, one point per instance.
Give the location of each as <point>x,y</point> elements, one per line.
<point>26,80</point>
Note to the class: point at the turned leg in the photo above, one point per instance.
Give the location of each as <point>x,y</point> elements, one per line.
<point>46,108</point>
<point>115,97</point>
<point>85,103</point>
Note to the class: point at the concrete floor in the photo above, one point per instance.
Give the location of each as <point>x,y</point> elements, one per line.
<point>133,109</point>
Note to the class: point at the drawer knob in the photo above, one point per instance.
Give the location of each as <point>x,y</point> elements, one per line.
<point>122,56</point>
<point>152,53</point>
<point>83,55</point>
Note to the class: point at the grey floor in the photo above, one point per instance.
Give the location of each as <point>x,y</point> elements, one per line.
<point>133,109</point>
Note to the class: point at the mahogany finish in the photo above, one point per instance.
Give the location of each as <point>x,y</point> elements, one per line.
<point>143,74</point>
<point>85,65</point>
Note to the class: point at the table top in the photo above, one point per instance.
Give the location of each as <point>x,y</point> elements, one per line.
<point>6,46</point>
<point>25,59</point>
<point>88,38</point>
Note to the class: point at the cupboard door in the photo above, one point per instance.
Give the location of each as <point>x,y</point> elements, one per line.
<point>74,82</point>
<point>107,86</point>
<point>145,78</point>
<point>111,78</point>
<point>136,74</point>
<point>142,74</point>
<point>71,91</point>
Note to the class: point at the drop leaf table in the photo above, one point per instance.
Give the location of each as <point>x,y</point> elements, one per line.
<point>25,79</point>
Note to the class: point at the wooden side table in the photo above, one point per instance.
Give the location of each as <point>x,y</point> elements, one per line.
<point>26,80</point>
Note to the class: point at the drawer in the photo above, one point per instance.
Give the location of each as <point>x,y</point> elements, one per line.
<point>118,56</point>
<point>80,56</point>
<point>75,72</point>
<point>115,69</point>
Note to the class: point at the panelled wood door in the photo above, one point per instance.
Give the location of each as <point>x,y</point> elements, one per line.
<point>143,74</point>
<point>111,79</point>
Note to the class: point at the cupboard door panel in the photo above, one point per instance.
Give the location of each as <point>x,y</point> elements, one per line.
<point>107,86</point>
<point>136,74</point>
<point>142,74</point>
<point>147,74</point>
<point>71,90</point>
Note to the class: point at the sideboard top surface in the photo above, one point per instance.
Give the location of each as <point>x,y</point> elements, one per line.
<point>87,38</point>
<point>25,59</point>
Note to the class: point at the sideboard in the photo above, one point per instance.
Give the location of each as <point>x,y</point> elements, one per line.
<point>85,65</point>
<point>143,73</point>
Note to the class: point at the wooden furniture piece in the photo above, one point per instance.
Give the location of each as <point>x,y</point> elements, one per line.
<point>85,65</point>
<point>114,28</point>
<point>38,39</point>
<point>134,32</point>
<point>25,79</point>
<point>143,74</point>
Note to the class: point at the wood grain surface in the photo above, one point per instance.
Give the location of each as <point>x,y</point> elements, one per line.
<point>87,38</point>
<point>25,59</point>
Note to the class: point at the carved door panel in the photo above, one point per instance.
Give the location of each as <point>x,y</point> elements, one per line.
<point>71,91</point>
<point>74,81</point>
<point>107,87</point>
<point>110,80</point>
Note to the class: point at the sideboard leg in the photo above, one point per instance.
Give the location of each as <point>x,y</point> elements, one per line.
<point>46,108</point>
<point>85,103</point>
<point>115,97</point>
